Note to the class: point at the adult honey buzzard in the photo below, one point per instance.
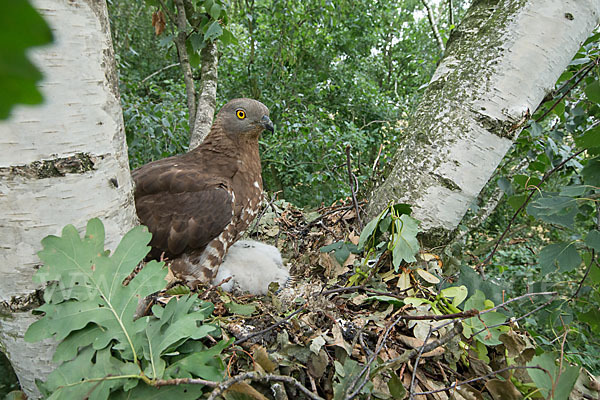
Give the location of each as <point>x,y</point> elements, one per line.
<point>198,204</point>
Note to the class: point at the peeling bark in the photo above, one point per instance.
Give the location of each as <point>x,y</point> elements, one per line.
<point>207,98</point>
<point>62,162</point>
<point>499,64</point>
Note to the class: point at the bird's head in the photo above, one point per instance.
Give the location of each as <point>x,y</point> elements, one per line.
<point>244,117</point>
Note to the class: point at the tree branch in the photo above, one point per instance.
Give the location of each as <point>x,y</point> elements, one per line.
<point>207,97</point>
<point>353,187</point>
<point>184,59</point>
<point>534,190</point>
<point>267,377</point>
<point>159,71</point>
<point>434,28</point>
<point>263,331</point>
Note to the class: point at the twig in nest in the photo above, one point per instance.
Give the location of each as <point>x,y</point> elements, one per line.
<point>366,289</point>
<point>210,289</point>
<point>455,385</point>
<point>426,347</point>
<point>367,367</point>
<point>264,210</point>
<point>320,217</point>
<point>263,331</point>
<point>414,373</point>
<point>353,187</point>
<point>267,377</point>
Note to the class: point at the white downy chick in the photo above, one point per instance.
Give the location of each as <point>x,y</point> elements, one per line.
<point>252,266</point>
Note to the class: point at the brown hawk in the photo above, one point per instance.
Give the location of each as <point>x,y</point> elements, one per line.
<point>198,204</point>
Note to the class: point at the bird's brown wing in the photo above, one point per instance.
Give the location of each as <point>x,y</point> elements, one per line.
<point>183,208</point>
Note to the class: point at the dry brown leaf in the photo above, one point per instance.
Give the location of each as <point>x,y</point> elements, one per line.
<point>262,357</point>
<point>503,390</point>
<point>350,260</point>
<point>333,269</point>
<point>158,22</point>
<point>353,237</point>
<point>246,390</point>
<point>338,338</point>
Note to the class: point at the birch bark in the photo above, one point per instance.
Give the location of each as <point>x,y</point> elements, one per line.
<point>499,64</point>
<point>207,97</point>
<point>63,162</point>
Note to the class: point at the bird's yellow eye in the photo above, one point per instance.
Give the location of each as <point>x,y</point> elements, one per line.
<point>241,114</point>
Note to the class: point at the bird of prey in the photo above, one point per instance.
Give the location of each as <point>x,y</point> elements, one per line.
<point>196,205</point>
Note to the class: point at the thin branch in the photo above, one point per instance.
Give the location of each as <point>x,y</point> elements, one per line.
<point>591,66</point>
<point>366,289</point>
<point>450,13</point>
<point>416,366</point>
<point>159,71</point>
<point>490,205</point>
<point>184,59</point>
<point>185,381</point>
<point>533,191</point>
<point>369,362</point>
<point>433,24</point>
<point>353,187</point>
<point>377,121</point>
<point>426,347</point>
<point>493,373</point>
<point>513,321</point>
<point>376,162</point>
<point>593,258</point>
<point>267,377</point>
<point>262,213</point>
<point>263,331</point>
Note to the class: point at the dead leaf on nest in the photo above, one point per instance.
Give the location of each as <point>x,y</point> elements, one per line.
<point>353,237</point>
<point>503,390</point>
<point>317,364</point>
<point>429,277</point>
<point>170,277</point>
<point>332,268</point>
<point>262,358</point>
<point>350,260</point>
<point>338,339</point>
<point>245,390</point>
<point>403,281</point>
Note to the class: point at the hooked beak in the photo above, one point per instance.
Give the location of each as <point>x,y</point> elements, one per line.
<point>266,123</point>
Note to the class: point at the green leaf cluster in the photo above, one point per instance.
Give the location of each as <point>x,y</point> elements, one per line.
<point>562,154</point>
<point>395,230</point>
<point>103,350</point>
<point>332,74</point>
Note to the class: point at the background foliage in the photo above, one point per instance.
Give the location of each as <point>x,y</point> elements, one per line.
<point>332,73</point>
<point>350,72</point>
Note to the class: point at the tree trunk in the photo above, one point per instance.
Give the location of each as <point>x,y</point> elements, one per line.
<point>63,162</point>
<point>498,66</point>
<point>207,98</point>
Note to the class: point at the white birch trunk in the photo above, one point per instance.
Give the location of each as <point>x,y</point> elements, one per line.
<point>61,163</point>
<point>207,97</point>
<point>498,66</point>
